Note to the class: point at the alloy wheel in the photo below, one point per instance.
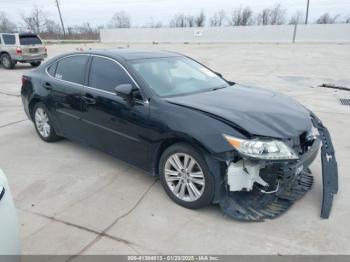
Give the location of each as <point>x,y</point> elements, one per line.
<point>42,122</point>
<point>184,177</point>
<point>5,62</point>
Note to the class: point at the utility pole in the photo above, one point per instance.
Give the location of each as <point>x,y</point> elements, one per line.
<point>59,12</point>
<point>307,11</point>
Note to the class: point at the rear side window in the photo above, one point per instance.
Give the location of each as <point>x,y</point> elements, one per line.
<point>9,39</point>
<point>29,40</point>
<point>72,69</point>
<point>52,69</point>
<point>106,74</point>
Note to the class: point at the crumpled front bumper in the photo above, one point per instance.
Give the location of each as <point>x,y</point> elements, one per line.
<point>329,167</point>
<point>256,206</point>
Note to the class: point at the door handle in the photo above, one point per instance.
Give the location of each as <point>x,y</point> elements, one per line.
<point>88,99</point>
<point>47,86</point>
<point>2,192</point>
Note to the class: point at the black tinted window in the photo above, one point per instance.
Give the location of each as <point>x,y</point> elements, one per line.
<point>72,69</point>
<point>52,69</point>
<point>9,39</point>
<point>29,40</point>
<point>105,74</point>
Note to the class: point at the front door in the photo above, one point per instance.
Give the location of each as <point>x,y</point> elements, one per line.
<point>115,125</point>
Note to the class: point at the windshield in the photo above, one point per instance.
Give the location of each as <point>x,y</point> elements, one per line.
<point>29,40</point>
<point>172,76</point>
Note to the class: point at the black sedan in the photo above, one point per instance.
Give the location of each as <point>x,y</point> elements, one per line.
<point>208,139</point>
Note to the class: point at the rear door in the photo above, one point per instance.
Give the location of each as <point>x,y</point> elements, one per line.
<point>31,45</point>
<point>115,125</point>
<point>66,80</point>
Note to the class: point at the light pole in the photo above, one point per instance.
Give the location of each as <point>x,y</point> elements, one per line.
<point>59,12</point>
<point>307,11</point>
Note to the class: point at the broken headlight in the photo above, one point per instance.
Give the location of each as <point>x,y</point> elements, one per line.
<point>262,149</point>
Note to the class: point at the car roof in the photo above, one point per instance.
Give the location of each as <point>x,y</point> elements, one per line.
<point>133,54</point>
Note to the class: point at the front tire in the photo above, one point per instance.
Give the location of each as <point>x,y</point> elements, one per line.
<point>7,62</point>
<point>185,176</point>
<point>35,64</point>
<point>43,124</point>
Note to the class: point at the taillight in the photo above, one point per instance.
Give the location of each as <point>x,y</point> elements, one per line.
<point>18,51</point>
<point>24,80</point>
<point>45,49</point>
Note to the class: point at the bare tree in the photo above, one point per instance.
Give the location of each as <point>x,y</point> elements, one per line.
<point>247,16</point>
<point>347,19</point>
<point>263,18</point>
<point>120,20</point>
<point>5,24</point>
<point>190,21</point>
<point>179,20</point>
<point>182,20</point>
<point>36,20</point>
<point>51,27</point>
<point>275,15</point>
<point>326,18</point>
<point>199,21</point>
<point>296,18</point>
<point>241,16</point>
<point>218,18</point>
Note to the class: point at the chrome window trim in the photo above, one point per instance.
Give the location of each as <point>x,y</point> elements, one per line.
<point>145,101</point>
<point>126,71</point>
<point>69,82</point>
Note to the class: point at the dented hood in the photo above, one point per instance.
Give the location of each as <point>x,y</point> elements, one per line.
<point>260,112</point>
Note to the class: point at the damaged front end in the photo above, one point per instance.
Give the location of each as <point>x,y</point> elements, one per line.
<point>257,189</point>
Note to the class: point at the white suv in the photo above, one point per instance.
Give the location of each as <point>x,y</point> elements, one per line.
<point>22,48</point>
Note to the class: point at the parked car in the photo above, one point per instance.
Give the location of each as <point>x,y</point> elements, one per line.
<point>9,236</point>
<point>21,48</point>
<point>208,139</point>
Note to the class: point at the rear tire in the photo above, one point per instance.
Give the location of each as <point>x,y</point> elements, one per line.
<point>35,64</point>
<point>189,183</point>
<point>42,123</point>
<point>7,62</point>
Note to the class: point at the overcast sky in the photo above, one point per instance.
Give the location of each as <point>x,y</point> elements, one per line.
<point>141,11</point>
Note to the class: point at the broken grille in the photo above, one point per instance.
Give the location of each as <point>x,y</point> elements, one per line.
<point>345,101</point>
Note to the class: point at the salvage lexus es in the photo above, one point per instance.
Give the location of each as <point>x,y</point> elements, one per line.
<point>208,139</point>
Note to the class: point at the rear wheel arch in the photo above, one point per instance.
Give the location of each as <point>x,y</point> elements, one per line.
<point>54,120</point>
<point>31,106</point>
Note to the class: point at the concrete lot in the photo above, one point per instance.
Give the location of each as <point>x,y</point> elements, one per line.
<point>75,200</point>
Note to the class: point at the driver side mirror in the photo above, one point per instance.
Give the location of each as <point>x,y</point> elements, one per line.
<point>124,91</point>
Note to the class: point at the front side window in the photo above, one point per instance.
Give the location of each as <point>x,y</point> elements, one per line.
<point>72,69</point>
<point>105,74</point>
<point>9,39</point>
<point>29,40</point>
<point>172,76</point>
